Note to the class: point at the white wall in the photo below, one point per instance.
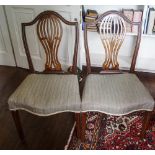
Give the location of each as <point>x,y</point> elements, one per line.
<point>6,52</point>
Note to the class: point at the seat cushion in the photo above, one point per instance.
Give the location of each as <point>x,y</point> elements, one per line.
<point>116,94</point>
<point>45,94</point>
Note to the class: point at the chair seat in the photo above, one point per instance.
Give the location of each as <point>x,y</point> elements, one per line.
<point>46,94</point>
<point>116,94</point>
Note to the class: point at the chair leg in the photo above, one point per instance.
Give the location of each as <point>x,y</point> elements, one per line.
<point>78,125</point>
<point>83,126</point>
<point>145,123</point>
<point>15,115</point>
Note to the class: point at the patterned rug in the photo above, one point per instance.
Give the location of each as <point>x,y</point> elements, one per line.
<point>119,133</point>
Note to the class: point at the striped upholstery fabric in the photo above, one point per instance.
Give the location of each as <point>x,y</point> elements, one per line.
<point>44,94</point>
<point>117,94</point>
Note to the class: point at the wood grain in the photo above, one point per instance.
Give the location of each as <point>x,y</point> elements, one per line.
<point>49,30</point>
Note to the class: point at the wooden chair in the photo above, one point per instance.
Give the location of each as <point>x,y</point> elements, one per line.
<point>53,90</point>
<point>111,91</point>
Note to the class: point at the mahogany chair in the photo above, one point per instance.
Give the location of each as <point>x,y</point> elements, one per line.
<point>53,90</point>
<point>112,91</point>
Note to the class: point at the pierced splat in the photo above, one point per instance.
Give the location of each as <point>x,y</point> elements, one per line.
<point>112,32</point>
<point>49,30</point>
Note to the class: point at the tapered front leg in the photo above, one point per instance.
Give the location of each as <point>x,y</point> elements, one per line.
<point>15,115</point>
<point>83,126</point>
<point>78,125</point>
<point>145,123</point>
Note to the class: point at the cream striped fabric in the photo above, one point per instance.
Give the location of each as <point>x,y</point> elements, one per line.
<point>115,94</point>
<point>44,94</point>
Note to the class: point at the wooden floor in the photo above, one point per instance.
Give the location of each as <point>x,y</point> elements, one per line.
<point>41,132</point>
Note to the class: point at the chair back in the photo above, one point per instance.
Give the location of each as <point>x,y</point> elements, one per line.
<point>112,31</point>
<point>49,31</point>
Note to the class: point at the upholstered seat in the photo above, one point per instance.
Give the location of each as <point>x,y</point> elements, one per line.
<point>115,94</point>
<point>46,94</point>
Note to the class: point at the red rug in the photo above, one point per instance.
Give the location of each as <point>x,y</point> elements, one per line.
<point>119,133</point>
